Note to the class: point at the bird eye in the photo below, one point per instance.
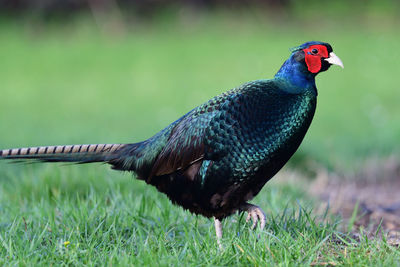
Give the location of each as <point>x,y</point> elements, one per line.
<point>314,51</point>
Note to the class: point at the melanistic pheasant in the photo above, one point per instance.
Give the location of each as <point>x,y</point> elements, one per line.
<point>218,156</point>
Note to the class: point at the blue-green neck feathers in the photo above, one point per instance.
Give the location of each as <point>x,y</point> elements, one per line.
<point>297,76</point>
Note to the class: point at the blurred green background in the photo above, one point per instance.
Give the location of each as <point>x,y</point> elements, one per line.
<point>106,71</point>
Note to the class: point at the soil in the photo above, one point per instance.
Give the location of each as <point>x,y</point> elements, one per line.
<point>368,201</point>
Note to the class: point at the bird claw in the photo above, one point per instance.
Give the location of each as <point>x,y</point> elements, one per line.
<point>256,214</point>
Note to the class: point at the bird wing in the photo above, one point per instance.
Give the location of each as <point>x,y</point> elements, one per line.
<point>187,142</point>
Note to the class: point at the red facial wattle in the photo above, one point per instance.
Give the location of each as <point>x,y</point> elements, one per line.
<point>313,60</point>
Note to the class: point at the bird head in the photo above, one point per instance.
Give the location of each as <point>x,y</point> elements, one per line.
<point>316,56</point>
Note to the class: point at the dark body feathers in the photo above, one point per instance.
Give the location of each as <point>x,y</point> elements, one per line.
<point>220,154</point>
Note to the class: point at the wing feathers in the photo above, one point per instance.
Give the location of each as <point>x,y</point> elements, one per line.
<point>186,143</point>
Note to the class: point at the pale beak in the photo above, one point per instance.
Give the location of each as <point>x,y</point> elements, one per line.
<point>334,60</point>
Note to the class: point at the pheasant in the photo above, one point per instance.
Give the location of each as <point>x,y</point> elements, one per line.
<point>214,159</point>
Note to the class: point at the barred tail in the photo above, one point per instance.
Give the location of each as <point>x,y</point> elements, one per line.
<point>67,153</point>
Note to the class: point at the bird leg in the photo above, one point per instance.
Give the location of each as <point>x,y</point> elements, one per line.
<point>255,213</point>
<point>218,231</point>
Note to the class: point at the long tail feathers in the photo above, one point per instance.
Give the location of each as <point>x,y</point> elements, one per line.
<point>68,153</point>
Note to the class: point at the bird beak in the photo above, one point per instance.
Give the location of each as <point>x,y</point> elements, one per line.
<point>334,60</point>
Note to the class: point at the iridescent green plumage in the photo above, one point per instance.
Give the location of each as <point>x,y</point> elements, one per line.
<point>220,154</point>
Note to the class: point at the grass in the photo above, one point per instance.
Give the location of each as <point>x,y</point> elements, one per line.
<point>52,216</point>
<point>76,84</point>
<point>79,215</point>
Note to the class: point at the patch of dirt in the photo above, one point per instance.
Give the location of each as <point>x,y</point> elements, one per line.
<point>372,194</point>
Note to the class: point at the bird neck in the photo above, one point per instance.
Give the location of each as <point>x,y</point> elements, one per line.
<point>297,78</point>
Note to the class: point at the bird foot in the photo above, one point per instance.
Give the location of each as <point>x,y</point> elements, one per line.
<point>256,214</point>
